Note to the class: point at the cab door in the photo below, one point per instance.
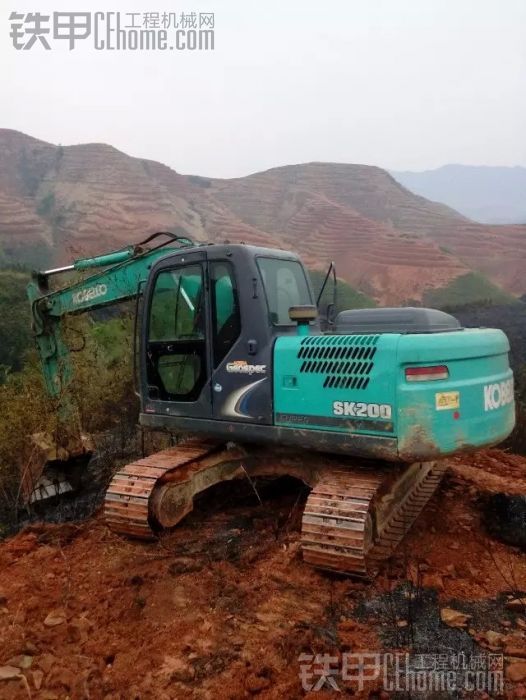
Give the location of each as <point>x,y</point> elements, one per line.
<point>241,378</point>
<point>177,349</point>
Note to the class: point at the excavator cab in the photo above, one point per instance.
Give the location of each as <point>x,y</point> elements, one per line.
<point>232,348</point>
<point>210,320</point>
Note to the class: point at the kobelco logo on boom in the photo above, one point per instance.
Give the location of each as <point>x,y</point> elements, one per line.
<point>498,395</point>
<point>91,293</point>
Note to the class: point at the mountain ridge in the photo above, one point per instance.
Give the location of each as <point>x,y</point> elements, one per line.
<point>484,193</point>
<point>59,202</point>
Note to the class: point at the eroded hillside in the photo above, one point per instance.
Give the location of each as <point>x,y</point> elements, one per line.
<point>58,202</point>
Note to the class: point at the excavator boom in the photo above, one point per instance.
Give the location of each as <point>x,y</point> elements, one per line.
<point>125,272</point>
<point>116,277</point>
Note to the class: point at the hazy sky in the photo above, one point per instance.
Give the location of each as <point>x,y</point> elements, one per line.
<point>404,84</point>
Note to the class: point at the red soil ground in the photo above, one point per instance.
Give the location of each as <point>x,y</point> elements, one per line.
<point>223,606</point>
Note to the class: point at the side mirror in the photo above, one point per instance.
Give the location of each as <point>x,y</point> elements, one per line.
<point>327,321</point>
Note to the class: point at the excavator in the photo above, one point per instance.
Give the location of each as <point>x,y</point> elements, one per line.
<point>231,355</point>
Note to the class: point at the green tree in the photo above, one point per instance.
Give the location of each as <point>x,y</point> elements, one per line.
<point>15,330</point>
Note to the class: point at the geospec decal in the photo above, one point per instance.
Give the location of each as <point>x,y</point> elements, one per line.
<point>242,367</point>
<point>498,395</point>
<point>362,410</point>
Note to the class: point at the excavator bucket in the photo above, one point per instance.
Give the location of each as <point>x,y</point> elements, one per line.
<point>53,468</point>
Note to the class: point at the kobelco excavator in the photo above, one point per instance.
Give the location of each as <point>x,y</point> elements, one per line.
<point>230,351</point>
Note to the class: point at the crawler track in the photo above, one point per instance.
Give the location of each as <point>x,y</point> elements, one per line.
<point>349,525</point>
<point>336,527</point>
<point>354,516</point>
<point>128,506</point>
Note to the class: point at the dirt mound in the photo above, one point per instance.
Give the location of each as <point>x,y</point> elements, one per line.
<point>223,606</point>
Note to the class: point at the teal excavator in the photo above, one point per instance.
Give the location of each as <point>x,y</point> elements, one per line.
<point>363,406</point>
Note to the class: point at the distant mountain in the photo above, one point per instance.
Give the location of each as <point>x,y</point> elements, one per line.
<point>388,242</point>
<point>490,195</point>
<point>58,203</point>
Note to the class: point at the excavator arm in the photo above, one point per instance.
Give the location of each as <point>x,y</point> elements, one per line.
<point>116,277</point>
<point>125,271</point>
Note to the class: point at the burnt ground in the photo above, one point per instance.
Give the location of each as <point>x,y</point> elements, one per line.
<point>509,318</point>
<point>223,606</point>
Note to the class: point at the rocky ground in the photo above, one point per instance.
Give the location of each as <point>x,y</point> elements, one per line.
<point>223,606</point>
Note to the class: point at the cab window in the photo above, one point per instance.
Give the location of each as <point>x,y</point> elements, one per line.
<point>176,353</point>
<point>285,286</point>
<point>226,321</point>
<point>176,311</point>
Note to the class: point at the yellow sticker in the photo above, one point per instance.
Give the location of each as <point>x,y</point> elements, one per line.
<point>446,400</point>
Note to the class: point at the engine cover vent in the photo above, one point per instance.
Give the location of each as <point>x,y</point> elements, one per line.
<point>346,361</point>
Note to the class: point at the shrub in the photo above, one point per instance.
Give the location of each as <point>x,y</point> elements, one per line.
<point>101,390</point>
<point>517,441</point>
<point>468,289</point>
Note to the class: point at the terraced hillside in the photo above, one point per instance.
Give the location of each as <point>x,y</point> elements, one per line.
<point>423,234</point>
<point>60,202</point>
